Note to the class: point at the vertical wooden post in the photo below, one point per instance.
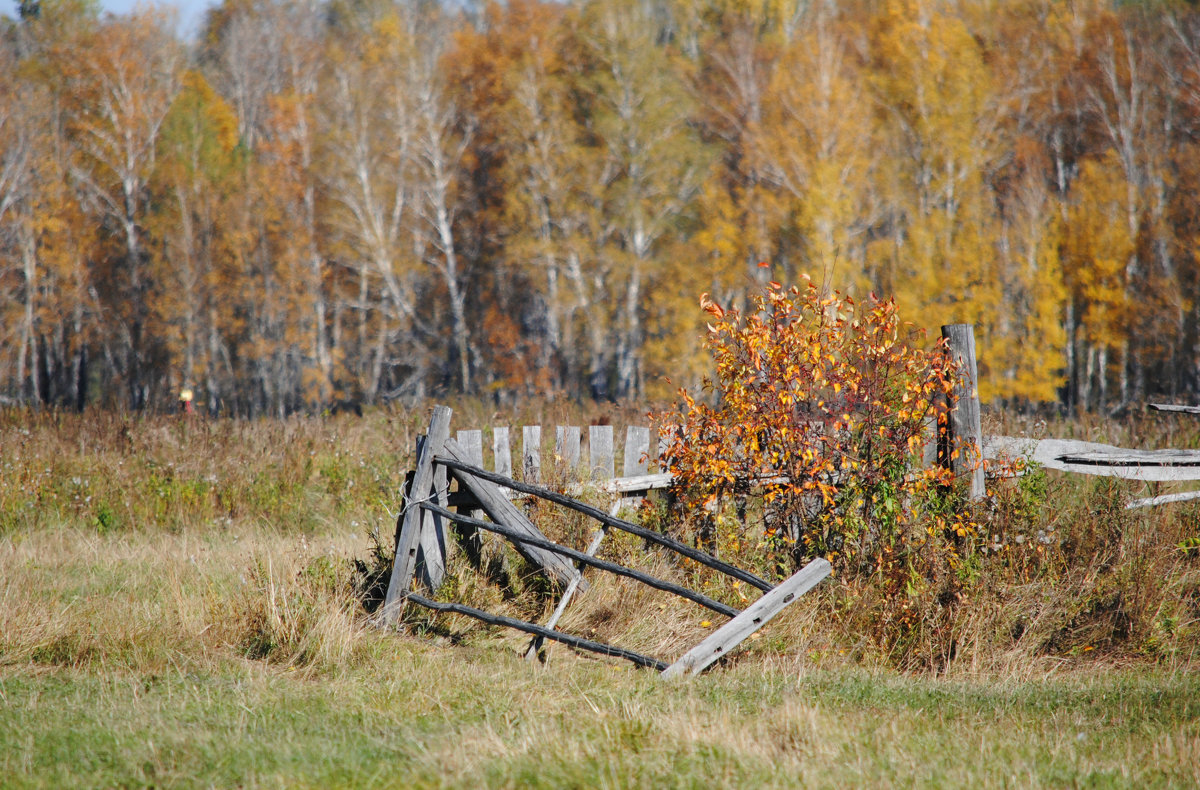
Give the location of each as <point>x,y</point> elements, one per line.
<point>408,532</point>
<point>531,453</point>
<point>431,545</point>
<point>963,450</point>
<point>664,444</point>
<point>600,451</point>
<point>472,442</point>
<point>468,536</point>
<point>637,451</point>
<point>566,445</point>
<point>501,454</point>
<point>501,451</point>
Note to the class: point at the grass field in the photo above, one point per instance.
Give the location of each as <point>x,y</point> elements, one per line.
<point>177,609</point>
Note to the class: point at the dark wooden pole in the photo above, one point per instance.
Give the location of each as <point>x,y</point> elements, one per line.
<point>534,628</point>
<point>963,450</point>
<point>665,541</point>
<point>522,539</point>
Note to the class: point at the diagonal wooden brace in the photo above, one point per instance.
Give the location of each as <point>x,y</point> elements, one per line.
<point>754,617</point>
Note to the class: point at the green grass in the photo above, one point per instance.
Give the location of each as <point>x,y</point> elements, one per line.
<point>422,715</point>
<point>125,661</point>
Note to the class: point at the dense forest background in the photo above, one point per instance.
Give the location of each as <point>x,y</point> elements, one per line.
<point>364,199</point>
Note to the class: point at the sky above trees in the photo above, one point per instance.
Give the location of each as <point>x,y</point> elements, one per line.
<point>191,12</point>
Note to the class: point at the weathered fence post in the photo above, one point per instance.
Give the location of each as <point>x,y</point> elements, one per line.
<point>408,527</point>
<point>637,450</point>
<point>600,451</point>
<point>501,452</point>
<point>566,446</point>
<point>431,545</point>
<point>469,537</point>
<point>964,431</point>
<point>531,453</point>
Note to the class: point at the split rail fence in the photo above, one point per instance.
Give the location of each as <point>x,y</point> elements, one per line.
<point>421,553</point>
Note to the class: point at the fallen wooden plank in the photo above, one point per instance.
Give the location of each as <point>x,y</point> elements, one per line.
<point>502,511</point>
<point>1165,499</point>
<point>1170,407</point>
<point>409,523</point>
<point>1058,454</point>
<point>623,485</point>
<point>754,617</point>
<point>533,628</point>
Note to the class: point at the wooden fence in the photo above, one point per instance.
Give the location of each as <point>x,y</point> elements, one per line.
<point>421,538</point>
<point>598,467</point>
<point>421,541</point>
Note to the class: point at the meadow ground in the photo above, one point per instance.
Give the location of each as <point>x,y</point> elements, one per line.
<point>177,608</point>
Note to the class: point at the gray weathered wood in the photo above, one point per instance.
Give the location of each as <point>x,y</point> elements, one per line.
<point>535,644</point>
<point>664,444</point>
<point>501,451</point>
<point>472,445</point>
<point>1174,408</point>
<point>531,453</point>
<point>637,451</point>
<point>963,451</point>
<point>1165,499</point>
<point>1086,458</point>
<point>637,457</point>
<point>472,542</point>
<point>648,482</point>
<point>754,617</point>
<point>566,446</point>
<point>501,511</point>
<point>431,546</point>
<point>409,522</point>
<point>929,451</point>
<point>1121,457</point>
<point>600,452</point>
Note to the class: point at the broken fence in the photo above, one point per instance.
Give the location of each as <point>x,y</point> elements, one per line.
<point>421,552</point>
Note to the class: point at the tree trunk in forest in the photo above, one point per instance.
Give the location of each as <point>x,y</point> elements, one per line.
<point>631,338</point>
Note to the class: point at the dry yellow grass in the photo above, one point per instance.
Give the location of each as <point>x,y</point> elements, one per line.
<point>199,647</point>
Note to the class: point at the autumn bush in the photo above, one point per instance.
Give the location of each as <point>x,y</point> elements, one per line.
<point>816,426</point>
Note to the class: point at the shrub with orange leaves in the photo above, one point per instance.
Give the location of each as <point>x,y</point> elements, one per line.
<point>820,414</point>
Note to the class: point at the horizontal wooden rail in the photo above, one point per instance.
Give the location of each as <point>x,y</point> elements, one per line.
<point>604,518</point>
<point>1170,407</point>
<point>586,559</point>
<point>1091,458</point>
<point>533,628</point>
